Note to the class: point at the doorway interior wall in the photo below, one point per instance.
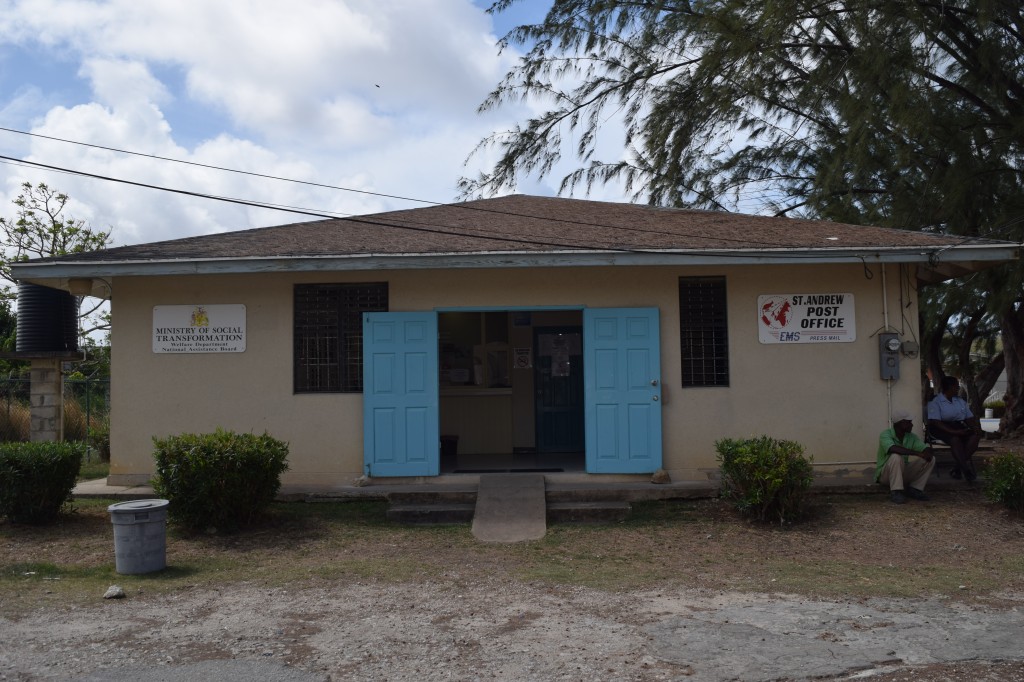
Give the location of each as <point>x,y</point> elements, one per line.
<point>511,384</point>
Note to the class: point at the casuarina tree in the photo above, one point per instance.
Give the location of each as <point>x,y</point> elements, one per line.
<point>904,114</point>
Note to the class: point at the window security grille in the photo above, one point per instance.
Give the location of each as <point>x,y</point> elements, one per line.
<point>328,335</point>
<point>703,330</point>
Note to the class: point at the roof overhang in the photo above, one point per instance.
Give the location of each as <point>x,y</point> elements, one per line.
<point>936,264</point>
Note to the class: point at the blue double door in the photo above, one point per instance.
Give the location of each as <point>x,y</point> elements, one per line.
<point>622,392</point>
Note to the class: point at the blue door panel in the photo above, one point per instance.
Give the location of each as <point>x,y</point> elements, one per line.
<point>400,394</point>
<point>384,433</point>
<point>605,366</point>
<point>416,373</point>
<point>383,373</point>
<point>416,433</point>
<point>639,438</point>
<point>638,363</point>
<point>622,366</point>
<point>605,445</point>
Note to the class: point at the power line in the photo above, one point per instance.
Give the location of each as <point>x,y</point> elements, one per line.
<point>220,168</point>
<point>424,227</point>
<point>186,192</point>
<point>410,225</point>
<point>460,206</point>
<point>338,215</point>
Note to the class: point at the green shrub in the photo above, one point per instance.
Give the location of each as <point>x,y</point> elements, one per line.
<point>1004,480</point>
<point>765,478</point>
<point>219,480</point>
<point>36,479</point>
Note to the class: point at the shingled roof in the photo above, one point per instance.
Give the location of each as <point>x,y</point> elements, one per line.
<point>532,228</point>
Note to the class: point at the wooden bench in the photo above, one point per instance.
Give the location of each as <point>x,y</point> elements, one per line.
<point>944,456</point>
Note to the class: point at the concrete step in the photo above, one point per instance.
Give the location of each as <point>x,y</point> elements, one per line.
<point>603,511</point>
<point>431,513</point>
<point>556,495</point>
<point>626,491</point>
<point>437,496</point>
<point>606,511</point>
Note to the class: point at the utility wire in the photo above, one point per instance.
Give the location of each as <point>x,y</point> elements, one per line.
<point>426,227</point>
<point>220,168</point>
<point>186,192</point>
<point>355,219</point>
<point>350,217</point>
<point>460,206</point>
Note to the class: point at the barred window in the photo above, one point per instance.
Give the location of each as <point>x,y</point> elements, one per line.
<point>329,334</point>
<point>703,331</point>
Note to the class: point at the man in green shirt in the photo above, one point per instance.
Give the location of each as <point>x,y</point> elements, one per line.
<point>902,455</point>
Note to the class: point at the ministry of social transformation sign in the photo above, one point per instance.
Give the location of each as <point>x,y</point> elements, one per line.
<point>806,318</point>
<point>199,329</point>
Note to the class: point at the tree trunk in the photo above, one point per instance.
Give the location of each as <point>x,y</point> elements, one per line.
<point>986,379</point>
<point>1012,324</point>
<point>931,353</point>
<point>965,343</point>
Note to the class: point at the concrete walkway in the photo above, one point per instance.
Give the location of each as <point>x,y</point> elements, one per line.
<point>510,508</point>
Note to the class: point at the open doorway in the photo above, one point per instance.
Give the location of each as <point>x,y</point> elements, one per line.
<point>511,391</point>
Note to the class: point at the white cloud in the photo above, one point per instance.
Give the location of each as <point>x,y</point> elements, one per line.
<point>123,82</point>
<point>377,96</point>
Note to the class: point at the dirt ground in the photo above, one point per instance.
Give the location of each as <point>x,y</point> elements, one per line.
<point>687,591</point>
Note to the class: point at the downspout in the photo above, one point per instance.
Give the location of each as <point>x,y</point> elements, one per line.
<point>885,328</point>
<point>885,301</point>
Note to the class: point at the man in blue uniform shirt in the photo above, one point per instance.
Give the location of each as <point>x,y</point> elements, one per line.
<point>902,456</point>
<point>951,421</point>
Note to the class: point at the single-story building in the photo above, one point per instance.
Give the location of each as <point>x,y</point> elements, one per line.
<point>517,333</point>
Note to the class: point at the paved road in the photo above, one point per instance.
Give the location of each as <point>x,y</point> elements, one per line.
<point>222,671</point>
<point>643,636</point>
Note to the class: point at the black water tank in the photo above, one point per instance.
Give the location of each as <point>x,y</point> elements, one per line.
<point>47,319</point>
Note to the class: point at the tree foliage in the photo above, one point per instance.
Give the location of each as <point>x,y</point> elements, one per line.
<point>902,114</point>
<point>42,229</point>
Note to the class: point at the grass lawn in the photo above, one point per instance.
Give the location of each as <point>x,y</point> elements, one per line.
<point>93,469</point>
<point>957,545</point>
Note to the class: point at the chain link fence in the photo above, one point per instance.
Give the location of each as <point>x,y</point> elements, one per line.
<point>86,412</point>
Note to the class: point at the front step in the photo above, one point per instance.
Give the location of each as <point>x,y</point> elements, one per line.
<point>432,507</point>
<point>610,511</point>
<point>431,513</point>
<point>587,504</point>
<point>604,511</point>
<point>564,504</point>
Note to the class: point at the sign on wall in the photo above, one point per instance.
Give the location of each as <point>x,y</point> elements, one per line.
<point>199,328</point>
<point>806,318</point>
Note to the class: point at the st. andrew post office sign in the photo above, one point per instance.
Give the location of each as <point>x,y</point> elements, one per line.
<point>806,318</point>
<point>199,328</point>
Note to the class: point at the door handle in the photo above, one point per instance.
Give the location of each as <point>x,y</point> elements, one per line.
<point>654,382</point>
<point>655,398</point>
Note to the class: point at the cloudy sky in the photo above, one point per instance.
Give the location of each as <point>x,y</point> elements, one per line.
<point>372,95</point>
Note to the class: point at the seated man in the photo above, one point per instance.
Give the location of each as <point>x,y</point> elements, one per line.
<point>951,421</point>
<point>902,455</point>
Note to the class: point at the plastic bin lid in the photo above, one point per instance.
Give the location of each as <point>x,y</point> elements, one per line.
<point>138,505</point>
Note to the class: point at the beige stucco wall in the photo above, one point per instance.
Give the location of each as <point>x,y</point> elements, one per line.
<point>827,396</point>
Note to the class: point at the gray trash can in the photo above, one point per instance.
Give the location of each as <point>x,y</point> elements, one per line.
<point>140,535</point>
